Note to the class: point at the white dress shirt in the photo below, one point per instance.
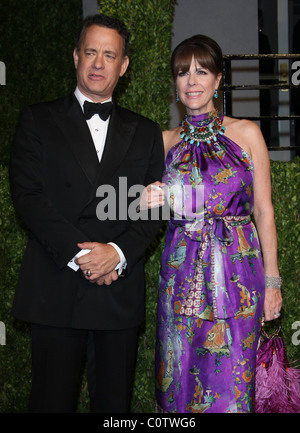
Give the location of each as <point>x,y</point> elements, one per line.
<point>98,129</point>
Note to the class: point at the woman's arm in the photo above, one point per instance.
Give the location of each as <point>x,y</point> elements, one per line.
<point>264,216</point>
<point>153,195</point>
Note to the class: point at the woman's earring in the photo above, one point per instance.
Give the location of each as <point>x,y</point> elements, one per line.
<point>177,97</point>
<point>216,94</point>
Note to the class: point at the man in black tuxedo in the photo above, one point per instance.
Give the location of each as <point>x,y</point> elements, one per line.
<point>83,274</point>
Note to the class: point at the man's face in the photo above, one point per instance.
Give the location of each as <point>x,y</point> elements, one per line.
<point>100,62</point>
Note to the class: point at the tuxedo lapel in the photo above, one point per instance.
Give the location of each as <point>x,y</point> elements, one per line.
<point>119,138</point>
<point>70,119</point>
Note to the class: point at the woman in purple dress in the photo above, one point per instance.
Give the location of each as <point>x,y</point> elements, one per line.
<point>214,284</point>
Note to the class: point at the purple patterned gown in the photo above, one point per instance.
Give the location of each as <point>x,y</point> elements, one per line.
<point>211,292</point>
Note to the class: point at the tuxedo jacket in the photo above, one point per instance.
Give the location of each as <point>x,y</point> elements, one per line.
<point>54,175</point>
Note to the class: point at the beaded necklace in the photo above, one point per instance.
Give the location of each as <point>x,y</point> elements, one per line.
<point>205,130</point>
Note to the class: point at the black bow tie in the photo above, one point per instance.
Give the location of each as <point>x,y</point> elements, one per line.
<point>91,108</point>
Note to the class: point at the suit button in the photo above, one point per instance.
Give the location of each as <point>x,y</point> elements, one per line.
<point>82,220</point>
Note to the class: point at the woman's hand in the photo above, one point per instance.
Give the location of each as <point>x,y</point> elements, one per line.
<point>152,196</point>
<point>273,303</point>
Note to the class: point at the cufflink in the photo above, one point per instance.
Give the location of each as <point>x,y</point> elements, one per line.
<point>124,272</point>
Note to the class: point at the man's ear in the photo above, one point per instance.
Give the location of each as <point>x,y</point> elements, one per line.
<point>124,66</point>
<point>75,57</point>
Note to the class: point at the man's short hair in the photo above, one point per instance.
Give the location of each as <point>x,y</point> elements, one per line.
<point>102,20</point>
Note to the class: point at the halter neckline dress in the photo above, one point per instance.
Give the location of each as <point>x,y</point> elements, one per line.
<point>211,290</point>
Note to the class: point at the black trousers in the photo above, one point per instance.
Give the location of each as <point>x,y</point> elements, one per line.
<point>58,355</point>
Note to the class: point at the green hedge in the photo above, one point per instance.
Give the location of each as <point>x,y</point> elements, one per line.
<point>285,196</point>
<point>37,41</point>
<point>15,355</point>
<point>145,88</point>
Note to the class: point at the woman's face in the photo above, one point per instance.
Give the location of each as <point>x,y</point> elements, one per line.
<point>196,88</point>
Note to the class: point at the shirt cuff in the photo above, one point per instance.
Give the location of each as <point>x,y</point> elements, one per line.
<point>122,264</point>
<point>72,263</point>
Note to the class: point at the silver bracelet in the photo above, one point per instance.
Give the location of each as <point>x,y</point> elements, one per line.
<point>273,282</point>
